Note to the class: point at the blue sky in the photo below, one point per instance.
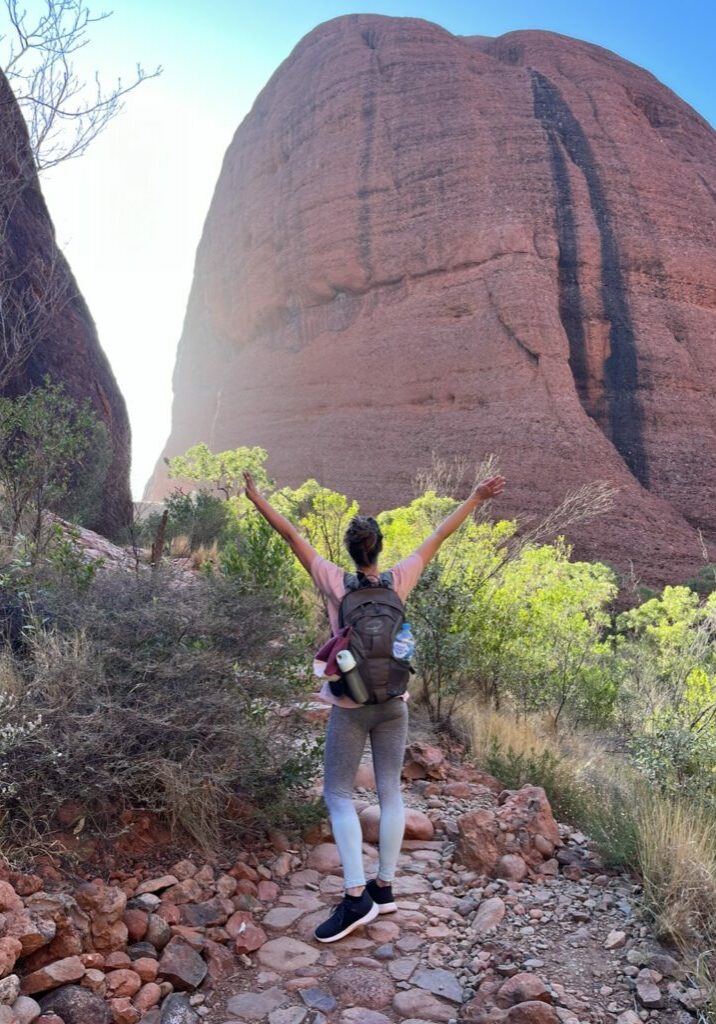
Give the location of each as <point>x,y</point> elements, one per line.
<point>129,213</point>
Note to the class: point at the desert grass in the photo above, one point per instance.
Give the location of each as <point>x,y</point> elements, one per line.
<point>672,844</point>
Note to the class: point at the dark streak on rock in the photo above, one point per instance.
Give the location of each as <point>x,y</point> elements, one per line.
<point>623,412</point>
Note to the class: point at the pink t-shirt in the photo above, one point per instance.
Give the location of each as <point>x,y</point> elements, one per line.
<point>328,577</point>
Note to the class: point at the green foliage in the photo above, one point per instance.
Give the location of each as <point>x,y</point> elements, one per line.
<point>497,621</point>
<point>666,662</point>
<point>321,515</point>
<point>199,516</point>
<point>65,556</point>
<point>54,455</point>
<point>222,470</point>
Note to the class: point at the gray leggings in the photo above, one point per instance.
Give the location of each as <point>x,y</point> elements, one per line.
<point>387,726</point>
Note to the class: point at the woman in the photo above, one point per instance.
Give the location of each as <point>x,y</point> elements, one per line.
<point>350,723</point>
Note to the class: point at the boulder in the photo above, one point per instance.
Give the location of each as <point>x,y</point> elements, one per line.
<point>522,828</point>
<point>181,965</point>
<point>540,270</point>
<point>76,1005</point>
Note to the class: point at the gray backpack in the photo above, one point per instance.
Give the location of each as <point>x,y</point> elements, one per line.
<point>375,613</point>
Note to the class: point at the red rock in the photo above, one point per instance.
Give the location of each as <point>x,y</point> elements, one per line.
<point>225,886</point>
<point>181,965</point>
<point>105,905</point>
<point>487,835</point>
<point>458,790</point>
<point>146,968</point>
<point>417,824</point>
<point>241,870</point>
<point>540,334</point>
<point>170,913</point>
<point>66,348</point>
<point>512,867</point>
<point>123,982</point>
<point>148,996</point>
<point>488,916</point>
<point>184,869</point>
<point>93,960</point>
<point>573,872</point>
<point>155,885</point>
<point>247,935</point>
<point>9,899</point>
<point>117,960</point>
<point>49,1018</point>
<point>95,981</point>
<point>187,891</point>
<point>136,922</point>
<point>193,936</point>
<point>430,758</point>
<point>267,891</point>
<point>53,975</point>
<point>10,948</point>
<point>124,1011</point>
<point>532,1012</point>
<point>221,961</point>
<point>33,931</point>
<point>324,858</point>
<point>522,988</point>
<point>25,885</point>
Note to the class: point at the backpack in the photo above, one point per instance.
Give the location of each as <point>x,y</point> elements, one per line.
<point>375,614</point>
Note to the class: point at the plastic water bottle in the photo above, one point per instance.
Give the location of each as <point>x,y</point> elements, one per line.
<point>404,643</point>
<point>357,689</point>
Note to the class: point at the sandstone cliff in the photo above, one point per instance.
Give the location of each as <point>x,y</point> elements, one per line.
<point>46,328</point>
<point>421,242</point>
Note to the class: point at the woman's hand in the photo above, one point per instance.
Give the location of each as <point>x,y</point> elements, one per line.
<point>490,488</point>
<point>251,490</point>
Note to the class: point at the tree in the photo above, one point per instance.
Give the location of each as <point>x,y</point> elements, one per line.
<point>54,454</point>
<point>64,114</point>
<point>222,470</point>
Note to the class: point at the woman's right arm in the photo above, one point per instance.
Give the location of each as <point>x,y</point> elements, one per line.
<point>490,488</point>
<point>298,544</point>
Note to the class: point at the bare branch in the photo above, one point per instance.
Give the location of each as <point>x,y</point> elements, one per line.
<point>64,114</point>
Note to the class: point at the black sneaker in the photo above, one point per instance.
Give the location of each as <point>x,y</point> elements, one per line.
<point>382,896</point>
<point>351,913</point>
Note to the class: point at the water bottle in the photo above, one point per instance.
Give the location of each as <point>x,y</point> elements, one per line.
<point>357,689</point>
<point>404,643</point>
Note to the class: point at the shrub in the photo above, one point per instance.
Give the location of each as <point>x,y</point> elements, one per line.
<point>162,696</point>
<point>54,454</point>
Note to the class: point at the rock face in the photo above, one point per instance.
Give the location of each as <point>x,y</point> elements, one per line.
<point>425,243</point>
<point>46,327</point>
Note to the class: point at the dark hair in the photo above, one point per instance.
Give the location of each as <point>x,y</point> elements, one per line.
<point>363,540</point>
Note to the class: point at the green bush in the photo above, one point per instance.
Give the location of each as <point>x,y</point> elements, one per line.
<point>54,455</point>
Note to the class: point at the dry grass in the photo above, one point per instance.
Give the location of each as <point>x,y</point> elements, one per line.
<point>180,546</point>
<point>163,699</point>
<point>672,844</point>
<point>677,858</point>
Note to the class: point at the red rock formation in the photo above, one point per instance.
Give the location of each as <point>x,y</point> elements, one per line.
<point>56,333</point>
<point>421,242</point>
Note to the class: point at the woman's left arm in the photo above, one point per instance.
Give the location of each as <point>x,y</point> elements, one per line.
<point>486,489</point>
<point>298,544</point>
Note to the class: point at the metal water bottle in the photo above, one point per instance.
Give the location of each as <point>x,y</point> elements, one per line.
<point>355,685</point>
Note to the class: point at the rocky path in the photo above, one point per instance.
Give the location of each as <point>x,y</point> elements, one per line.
<point>565,944</point>
<point>504,918</point>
